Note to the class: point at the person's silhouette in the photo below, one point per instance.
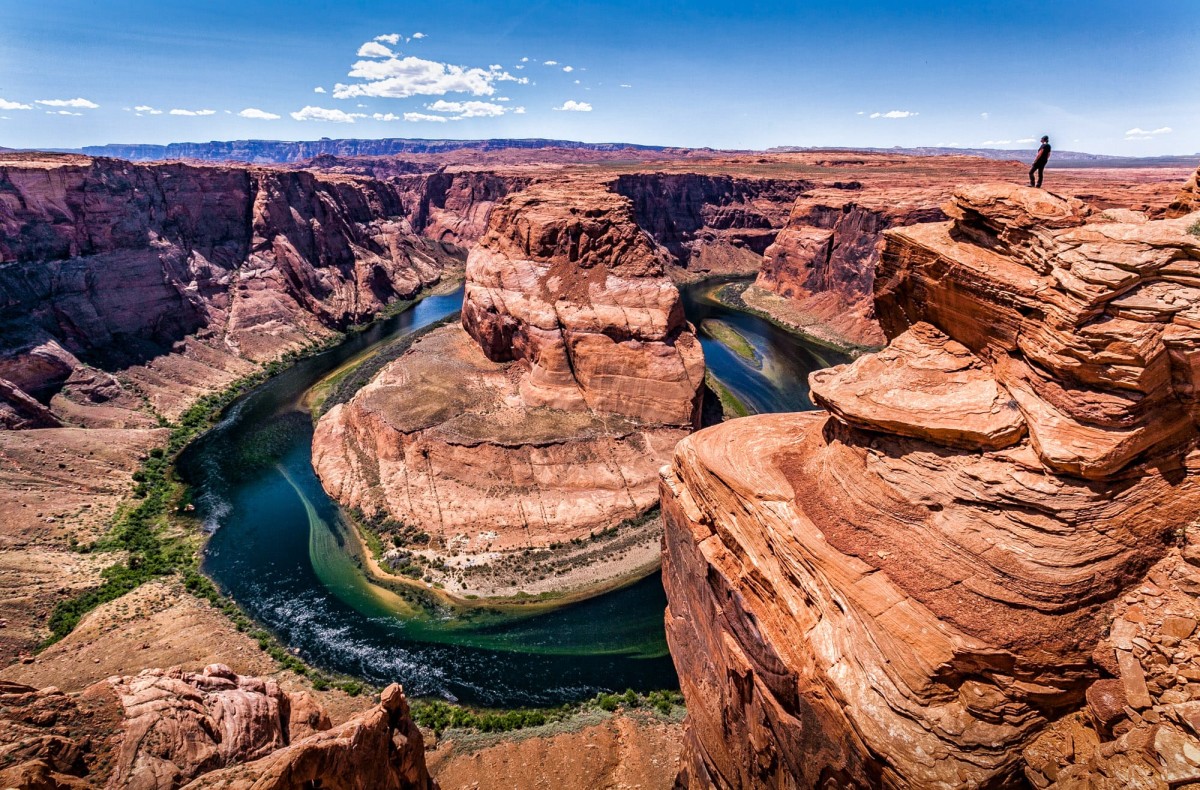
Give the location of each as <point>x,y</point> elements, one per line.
<point>1039,164</point>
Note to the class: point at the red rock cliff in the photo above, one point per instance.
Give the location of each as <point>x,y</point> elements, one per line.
<point>906,590</point>
<point>544,417</point>
<point>113,265</point>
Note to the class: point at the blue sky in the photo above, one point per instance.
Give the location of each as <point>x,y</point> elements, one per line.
<point>1107,77</point>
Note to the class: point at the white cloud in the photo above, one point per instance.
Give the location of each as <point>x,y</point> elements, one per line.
<point>576,82</point>
<point>570,105</point>
<point>193,112</point>
<point>626,85</point>
<point>1139,132</point>
<point>379,116</point>
<point>1025,140</point>
<point>524,60</point>
<point>568,69</point>
<point>518,110</point>
<point>550,63</point>
<point>467,109</point>
<point>372,49</point>
<point>996,142</point>
<point>895,114</point>
<point>146,109</point>
<point>12,105</point>
<point>399,78</point>
<point>418,35</point>
<point>391,38</point>
<point>62,112</point>
<point>258,115</point>
<point>78,103</point>
<point>984,115</point>
<point>318,89</point>
<point>417,117</point>
<point>311,113</point>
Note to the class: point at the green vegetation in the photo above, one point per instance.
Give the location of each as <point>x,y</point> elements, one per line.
<point>145,528</point>
<point>353,380</point>
<point>441,716</point>
<point>729,337</point>
<point>1195,229</point>
<point>731,405</point>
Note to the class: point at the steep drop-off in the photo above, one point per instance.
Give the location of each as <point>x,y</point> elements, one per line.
<point>906,590</point>
<point>711,223</point>
<point>543,418</point>
<point>177,277</point>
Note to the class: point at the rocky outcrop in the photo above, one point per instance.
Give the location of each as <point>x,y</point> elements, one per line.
<point>546,419</point>
<point>907,590</point>
<point>166,729</point>
<point>122,266</point>
<point>566,282</point>
<point>1188,200</point>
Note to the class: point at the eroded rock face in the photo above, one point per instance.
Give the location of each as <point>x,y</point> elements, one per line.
<point>545,416</point>
<point>711,224</point>
<point>165,729</point>
<point>566,282</point>
<point>823,261</point>
<point>124,266</point>
<point>1188,200</point>
<point>906,591</point>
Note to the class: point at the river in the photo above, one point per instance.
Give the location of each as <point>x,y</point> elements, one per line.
<point>278,542</point>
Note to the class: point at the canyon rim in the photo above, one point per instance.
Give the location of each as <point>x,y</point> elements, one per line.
<point>508,395</point>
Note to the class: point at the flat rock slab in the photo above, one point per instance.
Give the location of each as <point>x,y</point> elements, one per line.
<point>926,386</point>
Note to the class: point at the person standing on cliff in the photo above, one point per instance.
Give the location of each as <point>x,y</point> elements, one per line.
<point>1039,164</point>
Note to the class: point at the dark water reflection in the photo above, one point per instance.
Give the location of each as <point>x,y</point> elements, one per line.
<point>278,546</point>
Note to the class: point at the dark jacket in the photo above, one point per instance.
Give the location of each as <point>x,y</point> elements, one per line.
<point>1043,155</point>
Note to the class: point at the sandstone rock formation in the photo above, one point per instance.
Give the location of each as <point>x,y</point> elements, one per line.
<point>165,729</point>
<point>1188,199</point>
<point>177,274</point>
<point>823,261</point>
<point>711,223</point>
<point>545,420</point>
<point>907,590</point>
<point>567,282</point>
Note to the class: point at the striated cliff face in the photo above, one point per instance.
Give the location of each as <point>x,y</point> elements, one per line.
<point>823,261</point>
<point>177,274</point>
<point>567,282</point>
<point>906,590</point>
<point>165,729</point>
<point>545,416</point>
<point>711,223</point>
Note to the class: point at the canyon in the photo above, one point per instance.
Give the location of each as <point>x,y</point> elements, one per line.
<point>930,584</point>
<point>130,292</point>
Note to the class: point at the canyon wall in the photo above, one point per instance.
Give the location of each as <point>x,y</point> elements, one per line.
<point>823,261</point>
<point>543,417</point>
<point>711,223</point>
<point>176,274</point>
<point>906,590</point>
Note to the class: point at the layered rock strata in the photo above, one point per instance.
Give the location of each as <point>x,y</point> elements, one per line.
<point>906,590</point>
<point>177,274</point>
<point>823,260</point>
<point>711,223</point>
<point>166,729</point>
<point>542,418</point>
